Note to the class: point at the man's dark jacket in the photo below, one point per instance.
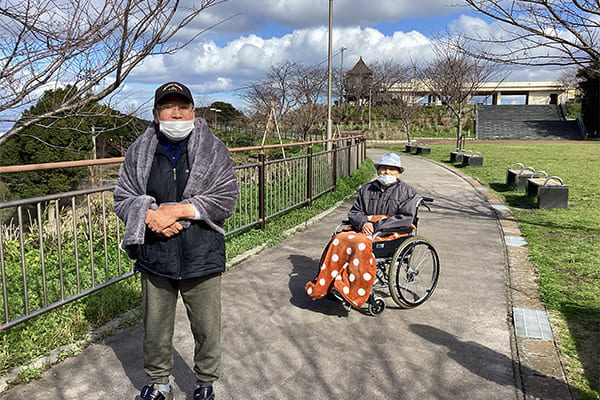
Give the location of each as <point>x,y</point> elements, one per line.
<point>195,251</point>
<point>202,176</point>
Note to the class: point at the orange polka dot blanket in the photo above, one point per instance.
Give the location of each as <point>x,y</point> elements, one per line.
<point>347,265</point>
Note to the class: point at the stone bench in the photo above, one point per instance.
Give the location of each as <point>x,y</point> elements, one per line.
<point>457,156</point>
<point>551,192</point>
<point>472,159</point>
<point>417,149</point>
<point>423,149</point>
<point>518,176</point>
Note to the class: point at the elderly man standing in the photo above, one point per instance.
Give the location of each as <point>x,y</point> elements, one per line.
<point>176,188</point>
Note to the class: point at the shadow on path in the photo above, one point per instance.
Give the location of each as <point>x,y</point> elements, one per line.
<point>304,269</point>
<point>482,361</point>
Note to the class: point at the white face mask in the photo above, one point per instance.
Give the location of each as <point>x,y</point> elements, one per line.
<point>386,180</point>
<point>176,130</point>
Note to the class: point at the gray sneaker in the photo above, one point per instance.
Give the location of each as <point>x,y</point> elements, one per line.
<point>204,393</point>
<point>151,392</point>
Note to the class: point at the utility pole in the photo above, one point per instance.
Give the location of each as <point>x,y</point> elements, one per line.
<point>216,110</point>
<point>94,154</point>
<point>342,49</point>
<point>329,122</point>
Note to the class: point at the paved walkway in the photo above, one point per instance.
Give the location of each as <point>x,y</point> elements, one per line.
<point>279,344</point>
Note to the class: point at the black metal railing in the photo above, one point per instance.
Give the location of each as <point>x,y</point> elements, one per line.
<point>61,247</point>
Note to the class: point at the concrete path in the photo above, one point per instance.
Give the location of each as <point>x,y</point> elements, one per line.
<point>279,344</point>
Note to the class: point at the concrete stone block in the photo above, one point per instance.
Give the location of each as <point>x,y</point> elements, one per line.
<point>553,196</point>
<point>472,160</point>
<point>522,179</point>
<point>456,157</point>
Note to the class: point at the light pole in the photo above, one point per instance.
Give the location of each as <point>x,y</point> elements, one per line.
<point>216,110</point>
<point>369,108</point>
<point>342,49</point>
<point>94,136</point>
<point>329,122</point>
<point>94,155</point>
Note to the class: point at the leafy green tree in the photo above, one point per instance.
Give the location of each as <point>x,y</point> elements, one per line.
<point>228,112</point>
<point>63,138</point>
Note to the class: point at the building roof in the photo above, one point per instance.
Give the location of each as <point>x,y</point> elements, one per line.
<point>360,68</point>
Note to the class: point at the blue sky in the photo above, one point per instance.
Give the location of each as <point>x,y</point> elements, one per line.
<point>261,33</point>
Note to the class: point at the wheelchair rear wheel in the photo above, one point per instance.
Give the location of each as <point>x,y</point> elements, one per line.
<point>414,272</point>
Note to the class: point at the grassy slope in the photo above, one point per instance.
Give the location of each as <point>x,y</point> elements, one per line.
<point>564,243</point>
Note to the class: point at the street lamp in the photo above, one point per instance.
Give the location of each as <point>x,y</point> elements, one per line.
<point>369,108</point>
<point>342,49</point>
<point>216,110</point>
<point>329,122</point>
<point>94,154</point>
<point>94,136</point>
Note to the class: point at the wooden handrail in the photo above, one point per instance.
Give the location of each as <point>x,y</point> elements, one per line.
<point>118,160</point>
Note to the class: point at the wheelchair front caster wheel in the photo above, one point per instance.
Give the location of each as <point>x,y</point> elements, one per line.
<point>376,305</point>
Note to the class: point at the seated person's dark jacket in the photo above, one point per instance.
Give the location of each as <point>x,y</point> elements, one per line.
<point>398,202</point>
<point>194,252</point>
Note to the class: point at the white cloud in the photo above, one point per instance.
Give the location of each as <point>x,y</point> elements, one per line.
<point>211,68</point>
<point>298,14</point>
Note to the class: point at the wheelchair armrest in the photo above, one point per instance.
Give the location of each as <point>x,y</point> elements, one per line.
<point>406,229</point>
<point>343,223</point>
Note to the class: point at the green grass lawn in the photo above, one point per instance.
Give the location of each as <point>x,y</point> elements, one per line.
<point>564,243</point>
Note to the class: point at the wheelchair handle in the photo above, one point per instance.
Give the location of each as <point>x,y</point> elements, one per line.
<point>424,200</point>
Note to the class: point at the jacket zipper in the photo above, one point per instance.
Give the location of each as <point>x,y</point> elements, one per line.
<point>179,274</point>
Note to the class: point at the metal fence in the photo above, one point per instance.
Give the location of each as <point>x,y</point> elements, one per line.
<point>62,247</point>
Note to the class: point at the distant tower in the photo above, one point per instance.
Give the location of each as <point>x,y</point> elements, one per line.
<point>358,82</point>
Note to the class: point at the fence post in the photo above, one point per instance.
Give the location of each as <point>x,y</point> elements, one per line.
<point>364,148</point>
<point>356,151</point>
<point>334,149</point>
<point>261,190</point>
<point>309,178</point>
<point>349,161</point>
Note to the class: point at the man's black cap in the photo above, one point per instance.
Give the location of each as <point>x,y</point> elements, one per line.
<point>172,88</point>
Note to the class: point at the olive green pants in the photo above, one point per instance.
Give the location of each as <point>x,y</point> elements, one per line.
<point>202,299</point>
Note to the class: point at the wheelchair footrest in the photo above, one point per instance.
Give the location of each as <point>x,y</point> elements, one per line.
<point>338,296</point>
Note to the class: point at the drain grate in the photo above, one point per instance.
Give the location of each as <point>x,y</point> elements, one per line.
<point>533,324</point>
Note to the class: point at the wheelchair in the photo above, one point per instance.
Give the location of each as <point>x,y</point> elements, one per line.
<point>408,266</point>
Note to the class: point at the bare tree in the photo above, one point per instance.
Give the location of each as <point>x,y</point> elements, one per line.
<point>294,89</point>
<point>541,32</point>
<point>402,97</point>
<point>308,85</point>
<point>455,77</point>
<point>91,45</point>
<point>273,90</point>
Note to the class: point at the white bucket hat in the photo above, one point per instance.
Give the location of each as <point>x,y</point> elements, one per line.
<point>391,160</point>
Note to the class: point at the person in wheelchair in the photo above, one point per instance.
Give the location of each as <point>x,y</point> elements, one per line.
<point>347,265</point>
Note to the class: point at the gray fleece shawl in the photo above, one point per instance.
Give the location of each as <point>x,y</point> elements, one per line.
<point>211,186</point>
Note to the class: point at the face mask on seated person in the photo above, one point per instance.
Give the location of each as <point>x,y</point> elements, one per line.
<point>386,180</point>
<point>176,130</point>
